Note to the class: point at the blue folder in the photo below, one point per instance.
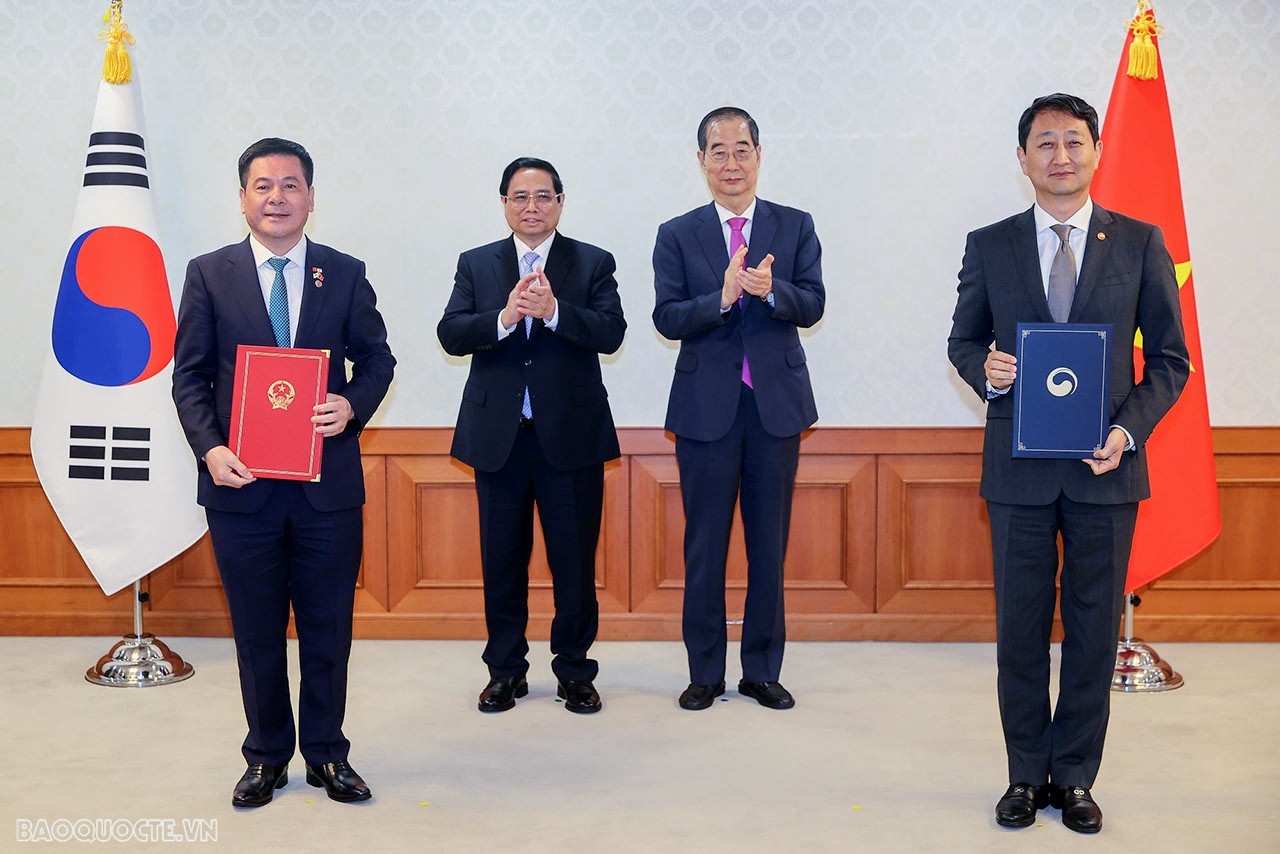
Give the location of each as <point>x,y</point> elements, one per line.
<point>1060,405</point>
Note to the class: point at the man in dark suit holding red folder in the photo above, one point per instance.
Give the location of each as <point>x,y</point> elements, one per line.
<point>1064,260</point>
<point>534,311</point>
<point>281,543</point>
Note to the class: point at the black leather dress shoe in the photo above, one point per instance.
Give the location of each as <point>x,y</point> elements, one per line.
<point>1079,812</point>
<point>697,697</point>
<point>579,696</point>
<point>769,694</point>
<point>1017,807</point>
<point>340,781</point>
<point>501,693</point>
<point>258,784</point>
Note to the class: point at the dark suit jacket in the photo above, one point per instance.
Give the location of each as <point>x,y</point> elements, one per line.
<point>222,307</point>
<point>1127,280</point>
<point>561,369</point>
<point>689,261</point>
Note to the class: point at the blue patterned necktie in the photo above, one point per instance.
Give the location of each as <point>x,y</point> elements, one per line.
<point>527,262</point>
<point>278,304</point>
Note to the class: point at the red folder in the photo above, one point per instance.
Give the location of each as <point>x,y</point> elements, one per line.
<point>276,390</point>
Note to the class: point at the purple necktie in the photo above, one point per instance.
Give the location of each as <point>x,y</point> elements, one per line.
<point>736,241</point>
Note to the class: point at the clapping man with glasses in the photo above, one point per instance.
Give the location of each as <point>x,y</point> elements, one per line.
<point>534,311</point>
<point>735,280</point>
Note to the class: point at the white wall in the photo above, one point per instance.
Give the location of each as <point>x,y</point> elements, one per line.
<point>892,121</point>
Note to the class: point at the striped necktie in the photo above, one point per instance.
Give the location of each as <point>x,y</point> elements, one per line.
<point>527,262</point>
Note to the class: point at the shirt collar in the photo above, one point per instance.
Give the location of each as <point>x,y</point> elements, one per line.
<point>542,248</point>
<point>725,214</point>
<point>298,254</point>
<point>1079,219</point>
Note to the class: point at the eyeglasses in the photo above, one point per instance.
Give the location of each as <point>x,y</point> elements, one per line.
<point>542,200</point>
<point>721,155</point>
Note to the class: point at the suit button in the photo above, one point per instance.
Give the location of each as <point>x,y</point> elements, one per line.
<point>737,366</point>
<point>527,362</point>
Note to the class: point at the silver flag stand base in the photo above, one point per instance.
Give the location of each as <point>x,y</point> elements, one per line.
<point>139,660</point>
<point>1139,668</point>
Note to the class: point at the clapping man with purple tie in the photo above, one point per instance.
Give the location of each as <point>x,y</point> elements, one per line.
<point>735,281</point>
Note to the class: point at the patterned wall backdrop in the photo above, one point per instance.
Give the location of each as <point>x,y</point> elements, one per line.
<point>893,121</point>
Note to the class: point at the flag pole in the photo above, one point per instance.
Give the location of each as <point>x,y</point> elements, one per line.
<point>139,660</point>
<point>1139,668</point>
<point>1139,177</point>
<point>115,178</point>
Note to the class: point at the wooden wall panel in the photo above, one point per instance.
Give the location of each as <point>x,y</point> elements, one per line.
<point>1231,590</point>
<point>935,546</point>
<point>433,551</point>
<point>1249,501</point>
<point>186,593</point>
<point>434,577</point>
<point>889,541</point>
<point>657,526</point>
<point>43,581</point>
<point>371,584</point>
<point>831,551</point>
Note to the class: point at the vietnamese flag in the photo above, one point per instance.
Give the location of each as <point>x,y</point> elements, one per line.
<point>1138,176</point>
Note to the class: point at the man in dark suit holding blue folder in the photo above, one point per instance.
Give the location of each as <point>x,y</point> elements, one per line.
<point>1064,260</point>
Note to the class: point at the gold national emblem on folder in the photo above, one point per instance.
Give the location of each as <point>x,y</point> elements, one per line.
<point>281,394</point>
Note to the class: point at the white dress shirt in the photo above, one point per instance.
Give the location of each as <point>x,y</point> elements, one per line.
<point>1047,241</point>
<point>542,250</point>
<point>293,278</point>
<point>750,216</point>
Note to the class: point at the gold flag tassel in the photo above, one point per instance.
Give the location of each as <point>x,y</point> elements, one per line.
<point>1143,57</point>
<point>116,65</point>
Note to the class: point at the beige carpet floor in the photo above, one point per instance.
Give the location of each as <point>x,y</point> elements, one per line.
<point>891,748</point>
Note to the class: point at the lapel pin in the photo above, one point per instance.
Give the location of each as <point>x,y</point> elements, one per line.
<point>1102,235</point>
<point>317,275</point>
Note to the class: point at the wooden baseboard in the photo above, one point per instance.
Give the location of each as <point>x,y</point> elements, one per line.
<point>889,542</point>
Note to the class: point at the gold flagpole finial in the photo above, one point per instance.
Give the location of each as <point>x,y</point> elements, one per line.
<point>116,65</point>
<point>1143,58</point>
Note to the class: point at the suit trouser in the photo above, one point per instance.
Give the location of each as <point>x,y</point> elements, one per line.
<point>759,470</point>
<point>1065,747</point>
<point>569,506</point>
<point>290,553</point>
